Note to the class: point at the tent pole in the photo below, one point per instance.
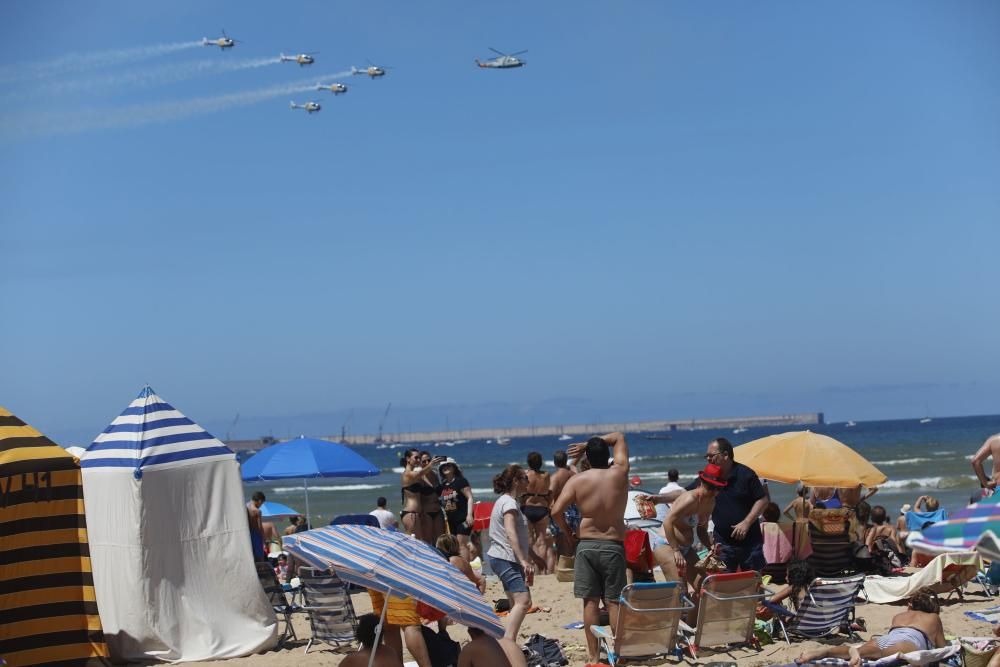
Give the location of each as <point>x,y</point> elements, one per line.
<point>305,485</point>
<point>378,628</point>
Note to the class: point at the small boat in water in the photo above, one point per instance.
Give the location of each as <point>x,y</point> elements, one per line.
<point>740,429</point>
<point>565,437</point>
<point>926,420</point>
<point>850,423</point>
<point>503,442</point>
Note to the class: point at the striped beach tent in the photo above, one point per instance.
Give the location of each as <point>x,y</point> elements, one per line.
<point>48,612</point>
<point>170,542</point>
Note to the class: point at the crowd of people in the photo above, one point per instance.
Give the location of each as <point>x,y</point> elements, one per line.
<point>576,511</point>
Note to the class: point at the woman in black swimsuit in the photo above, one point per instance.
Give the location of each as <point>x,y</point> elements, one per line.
<point>415,487</point>
<point>430,501</point>
<point>535,506</point>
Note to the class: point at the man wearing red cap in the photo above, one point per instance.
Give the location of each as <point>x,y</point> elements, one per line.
<point>690,513</point>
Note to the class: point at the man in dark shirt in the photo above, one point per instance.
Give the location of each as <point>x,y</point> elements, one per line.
<point>737,506</point>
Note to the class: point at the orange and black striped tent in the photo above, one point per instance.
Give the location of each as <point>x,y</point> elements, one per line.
<point>48,612</point>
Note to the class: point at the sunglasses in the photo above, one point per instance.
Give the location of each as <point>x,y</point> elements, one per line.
<point>711,455</point>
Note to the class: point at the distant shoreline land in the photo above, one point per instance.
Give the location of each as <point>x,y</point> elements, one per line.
<point>660,426</point>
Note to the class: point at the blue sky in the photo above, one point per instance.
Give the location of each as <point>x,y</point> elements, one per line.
<point>675,209</point>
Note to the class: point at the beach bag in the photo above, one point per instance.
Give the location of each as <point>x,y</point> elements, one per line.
<point>710,564</point>
<point>543,652</point>
<point>979,654</point>
<point>638,552</point>
<point>565,568</point>
<point>441,648</point>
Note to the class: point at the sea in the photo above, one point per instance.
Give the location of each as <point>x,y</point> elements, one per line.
<point>919,458</point>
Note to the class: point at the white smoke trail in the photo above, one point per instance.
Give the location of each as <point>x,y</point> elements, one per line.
<point>28,125</point>
<point>140,78</point>
<point>81,62</point>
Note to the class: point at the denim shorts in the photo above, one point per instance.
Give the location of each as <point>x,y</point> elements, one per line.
<point>511,574</point>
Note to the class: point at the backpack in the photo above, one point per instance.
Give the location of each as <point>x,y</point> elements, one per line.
<point>543,652</point>
<point>442,650</point>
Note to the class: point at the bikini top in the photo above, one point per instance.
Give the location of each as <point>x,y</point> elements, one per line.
<point>421,488</point>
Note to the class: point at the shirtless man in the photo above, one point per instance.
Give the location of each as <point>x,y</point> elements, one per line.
<point>690,513</point>
<point>365,634</point>
<point>484,651</point>
<point>600,493</point>
<point>256,526</point>
<point>917,629</point>
<point>557,481</point>
<point>990,448</point>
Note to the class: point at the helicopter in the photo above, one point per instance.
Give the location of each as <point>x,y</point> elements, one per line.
<point>335,88</point>
<point>505,61</point>
<point>301,59</point>
<point>372,70</point>
<point>310,107</point>
<point>224,42</point>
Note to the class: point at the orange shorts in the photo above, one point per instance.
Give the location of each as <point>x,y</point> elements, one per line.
<point>401,611</point>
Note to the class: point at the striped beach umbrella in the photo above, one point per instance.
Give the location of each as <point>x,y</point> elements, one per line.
<point>48,609</point>
<point>976,527</point>
<point>395,563</point>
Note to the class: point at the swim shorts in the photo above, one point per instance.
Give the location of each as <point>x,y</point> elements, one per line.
<point>599,569</point>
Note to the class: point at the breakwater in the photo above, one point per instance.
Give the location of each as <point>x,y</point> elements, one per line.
<point>581,430</point>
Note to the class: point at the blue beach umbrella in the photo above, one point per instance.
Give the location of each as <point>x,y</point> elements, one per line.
<point>395,564</point>
<point>306,458</point>
<point>273,510</point>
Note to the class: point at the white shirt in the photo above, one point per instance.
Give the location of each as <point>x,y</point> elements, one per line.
<point>385,518</point>
<point>663,508</point>
<point>499,540</point>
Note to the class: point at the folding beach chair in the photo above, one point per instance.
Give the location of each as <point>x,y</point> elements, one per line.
<point>331,612</point>
<point>355,520</point>
<point>648,616</point>
<point>830,538</point>
<point>726,611</point>
<point>827,608</point>
<point>278,599</point>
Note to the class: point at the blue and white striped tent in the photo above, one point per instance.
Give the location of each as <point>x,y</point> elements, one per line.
<point>150,434</point>
<point>169,540</point>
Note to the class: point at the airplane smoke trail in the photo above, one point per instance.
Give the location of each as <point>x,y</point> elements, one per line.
<point>81,62</point>
<point>26,125</point>
<point>141,78</point>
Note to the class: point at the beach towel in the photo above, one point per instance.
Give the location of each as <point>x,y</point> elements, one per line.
<point>927,657</point>
<point>944,573</point>
<point>915,520</point>
<point>778,541</point>
<point>990,614</point>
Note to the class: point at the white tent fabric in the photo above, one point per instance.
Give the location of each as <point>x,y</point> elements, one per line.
<point>169,542</point>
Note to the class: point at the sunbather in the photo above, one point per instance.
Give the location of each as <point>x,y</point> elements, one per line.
<point>917,629</point>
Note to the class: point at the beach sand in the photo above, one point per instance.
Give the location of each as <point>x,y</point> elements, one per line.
<point>565,609</point>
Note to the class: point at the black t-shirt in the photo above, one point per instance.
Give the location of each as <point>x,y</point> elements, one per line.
<point>733,503</point>
<point>453,500</point>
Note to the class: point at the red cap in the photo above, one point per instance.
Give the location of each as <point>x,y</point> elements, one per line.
<point>635,481</point>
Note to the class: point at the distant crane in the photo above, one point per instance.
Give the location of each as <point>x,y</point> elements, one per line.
<point>382,422</point>
<point>343,427</point>
<point>232,426</point>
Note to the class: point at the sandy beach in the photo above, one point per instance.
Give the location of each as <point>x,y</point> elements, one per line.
<point>563,609</point>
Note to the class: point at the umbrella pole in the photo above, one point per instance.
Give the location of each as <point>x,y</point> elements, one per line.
<point>305,485</point>
<point>378,628</point>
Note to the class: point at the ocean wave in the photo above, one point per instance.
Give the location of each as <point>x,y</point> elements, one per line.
<point>897,462</point>
<point>943,453</point>
<point>345,487</point>
<point>941,483</point>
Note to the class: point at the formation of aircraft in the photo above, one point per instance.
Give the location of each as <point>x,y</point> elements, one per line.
<point>310,107</point>
<point>503,60</point>
<point>301,59</point>
<point>224,42</point>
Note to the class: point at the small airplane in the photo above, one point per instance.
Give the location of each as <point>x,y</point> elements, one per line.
<point>224,42</point>
<point>504,61</point>
<point>372,70</point>
<point>310,107</point>
<point>301,59</point>
<point>335,88</point>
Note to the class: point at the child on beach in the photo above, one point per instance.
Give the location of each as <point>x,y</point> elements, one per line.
<point>800,575</point>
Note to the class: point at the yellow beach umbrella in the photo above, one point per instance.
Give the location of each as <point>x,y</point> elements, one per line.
<point>811,458</point>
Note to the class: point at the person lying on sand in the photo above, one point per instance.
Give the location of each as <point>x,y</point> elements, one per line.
<point>917,629</point>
